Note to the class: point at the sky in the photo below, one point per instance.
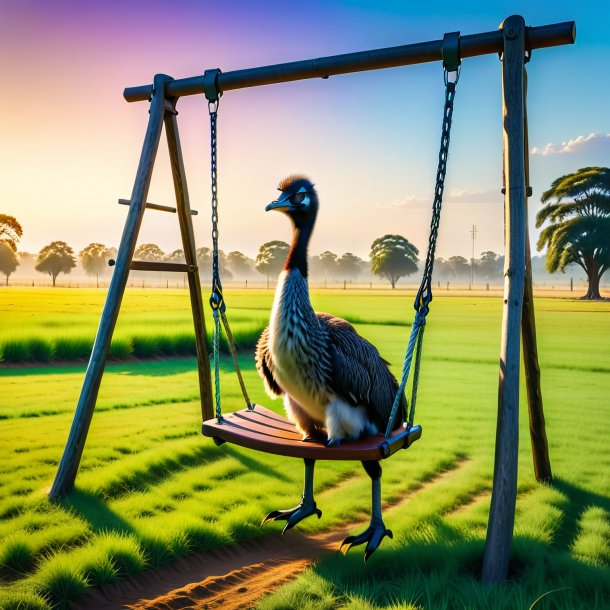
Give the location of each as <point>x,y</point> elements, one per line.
<point>70,144</point>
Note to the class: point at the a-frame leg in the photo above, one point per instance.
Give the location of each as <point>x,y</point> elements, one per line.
<point>190,254</point>
<point>504,494</point>
<point>540,445</point>
<point>68,466</point>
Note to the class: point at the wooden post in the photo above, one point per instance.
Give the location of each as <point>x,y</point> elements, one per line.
<point>504,493</point>
<point>190,254</point>
<point>68,466</point>
<point>540,446</point>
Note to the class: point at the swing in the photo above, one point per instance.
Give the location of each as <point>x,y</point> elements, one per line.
<point>259,428</point>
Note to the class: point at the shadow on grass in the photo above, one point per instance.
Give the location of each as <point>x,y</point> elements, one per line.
<point>93,509</point>
<point>443,575</point>
<point>579,500</point>
<point>254,465</point>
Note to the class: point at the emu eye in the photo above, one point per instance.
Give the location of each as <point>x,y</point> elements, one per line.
<point>299,198</point>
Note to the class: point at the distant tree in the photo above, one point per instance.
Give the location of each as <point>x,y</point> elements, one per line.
<point>270,258</point>
<point>94,259</point>
<point>458,266</point>
<point>578,211</point>
<point>392,257</point>
<point>328,265</point>
<point>349,266</point>
<point>177,256</point>
<point>10,231</point>
<point>204,262</point>
<point>149,252</point>
<point>8,260</point>
<point>27,260</point>
<point>56,258</point>
<point>239,263</point>
<point>490,265</point>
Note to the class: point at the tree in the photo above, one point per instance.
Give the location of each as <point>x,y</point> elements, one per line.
<point>10,231</point>
<point>490,265</point>
<point>55,258</point>
<point>94,259</point>
<point>177,256</point>
<point>149,252</point>
<point>577,208</point>
<point>204,262</point>
<point>327,263</point>
<point>270,258</point>
<point>392,257</point>
<point>8,260</point>
<point>458,266</point>
<point>239,263</point>
<point>349,266</point>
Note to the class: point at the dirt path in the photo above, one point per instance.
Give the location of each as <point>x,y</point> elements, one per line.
<point>234,577</point>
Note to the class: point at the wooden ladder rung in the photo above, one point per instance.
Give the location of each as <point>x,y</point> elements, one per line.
<point>157,266</point>
<point>157,206</point>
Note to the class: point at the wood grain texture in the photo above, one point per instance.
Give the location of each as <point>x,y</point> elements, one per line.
<point>504,493</point>
<point>540,445</point>
<point>68,466</point>
<point>264,430</point>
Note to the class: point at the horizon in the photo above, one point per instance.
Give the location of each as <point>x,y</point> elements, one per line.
<point>71,144</point>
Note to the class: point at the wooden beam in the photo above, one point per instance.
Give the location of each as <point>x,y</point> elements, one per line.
<point>471,45</point>
<point>68,466</point>
<point>540,445</point>
<point>504,493</point>
<point>157,206</point>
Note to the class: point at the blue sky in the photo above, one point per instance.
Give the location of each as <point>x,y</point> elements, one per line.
<point>370,141</point>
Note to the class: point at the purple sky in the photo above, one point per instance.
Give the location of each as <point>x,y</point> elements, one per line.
<point>70,143</point>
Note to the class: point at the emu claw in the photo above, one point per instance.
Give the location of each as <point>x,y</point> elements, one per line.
<point>292,516</point>
<point>373,535</point>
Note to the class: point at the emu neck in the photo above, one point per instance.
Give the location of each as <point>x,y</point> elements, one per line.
<point>297,257</point>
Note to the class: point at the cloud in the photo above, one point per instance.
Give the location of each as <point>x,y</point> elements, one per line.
<point>461,196</point>
<point>578,144</point>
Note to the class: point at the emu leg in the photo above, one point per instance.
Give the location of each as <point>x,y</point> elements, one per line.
<point>376,531</point>
<point>306,508</point>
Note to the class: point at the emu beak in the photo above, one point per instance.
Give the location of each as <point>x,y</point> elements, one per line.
<point>282,203</point>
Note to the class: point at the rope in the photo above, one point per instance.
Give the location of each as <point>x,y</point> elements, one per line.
<point>424,294</point>
<point>217,365</point>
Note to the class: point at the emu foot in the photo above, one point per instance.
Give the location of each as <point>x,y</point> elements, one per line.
<point>373,535</point>
<point>292,516</point>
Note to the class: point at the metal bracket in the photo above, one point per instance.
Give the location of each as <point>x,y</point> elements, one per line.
<point>451,51</point>
<point>210,85</point>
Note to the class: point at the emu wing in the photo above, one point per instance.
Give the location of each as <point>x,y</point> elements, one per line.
<point>359,374</point>
<point>264,364</point>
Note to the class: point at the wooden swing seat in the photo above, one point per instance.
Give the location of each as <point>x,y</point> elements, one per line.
<point>265,430</point>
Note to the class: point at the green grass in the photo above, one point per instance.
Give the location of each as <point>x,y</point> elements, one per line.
<point>150,489</point>
<point>42,325</point>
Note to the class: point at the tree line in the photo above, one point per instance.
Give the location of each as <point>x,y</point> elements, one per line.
<point>576,210</point>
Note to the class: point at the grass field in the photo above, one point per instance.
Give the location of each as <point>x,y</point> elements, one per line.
<point>151,489</point>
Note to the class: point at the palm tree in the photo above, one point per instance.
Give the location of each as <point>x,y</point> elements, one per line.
<point>578,211</point>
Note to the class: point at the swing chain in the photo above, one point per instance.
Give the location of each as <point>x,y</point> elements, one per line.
<point>216,298</point>
<point>424,294</point>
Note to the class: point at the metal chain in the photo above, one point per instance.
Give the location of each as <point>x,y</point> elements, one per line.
<point>217,301</point>
<point>424,294</point>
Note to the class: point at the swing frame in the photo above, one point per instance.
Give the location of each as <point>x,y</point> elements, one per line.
<point>514,41</point>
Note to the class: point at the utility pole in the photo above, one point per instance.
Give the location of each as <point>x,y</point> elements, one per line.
<point>473,234</point>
